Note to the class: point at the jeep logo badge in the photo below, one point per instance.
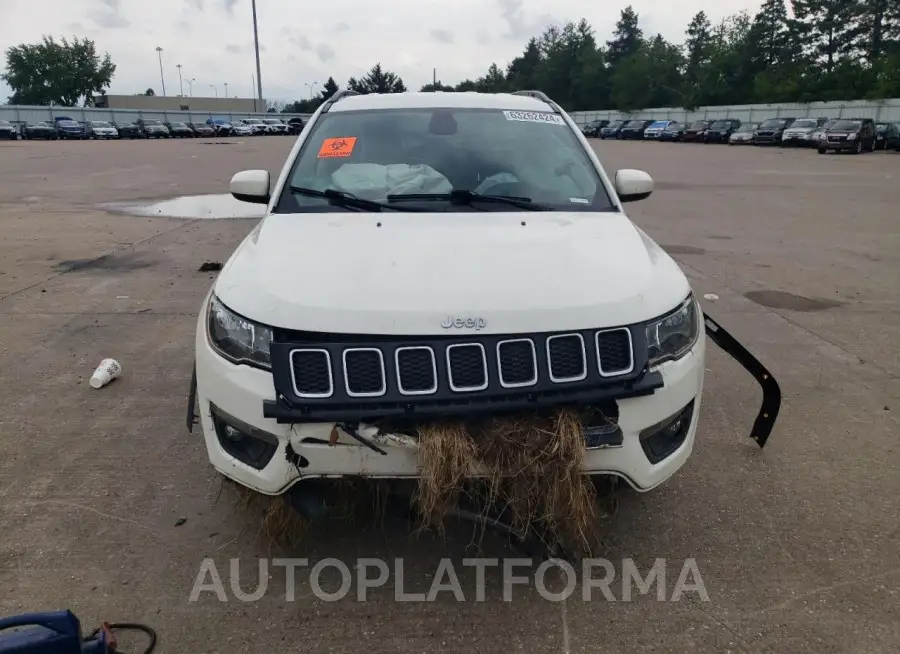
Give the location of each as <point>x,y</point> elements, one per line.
<point>474,322</point>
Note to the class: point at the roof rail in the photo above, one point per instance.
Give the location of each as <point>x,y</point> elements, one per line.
<point>340,95</point>
<point>540,95</point>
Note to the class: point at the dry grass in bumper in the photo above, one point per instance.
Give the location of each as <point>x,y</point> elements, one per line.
<point>532,477</point>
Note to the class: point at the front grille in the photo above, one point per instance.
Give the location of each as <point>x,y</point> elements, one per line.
<point>835,139</point>
<point>378,367</point>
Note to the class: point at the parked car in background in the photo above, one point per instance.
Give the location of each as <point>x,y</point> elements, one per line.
<point>634,129</point>
<point>611,131</point>
<point>770,131</point>
<point>69,129</point>
<point>696,131</point>
<point>221,126</point>
<point>202,130</point>
<point>242,129</point>
<point>41,130</point>
<point>152,129</point>
<point>275,126</point>
<point>819,135</point>
<point>656,128</point>
<point>743,135</point>
<point>295,125</point>
<point>720,131</point>
<point>802,132</point>
<point>256,125</point>
<point>180,130</point>
<point>100,129</point>
<point>674,132</point>
<point>592,129</point>
<point>128,130</point>
<point>8,131</point>
<point>887,136</point>
<point>854,135</point>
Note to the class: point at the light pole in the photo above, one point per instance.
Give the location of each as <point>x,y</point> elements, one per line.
<point>161,76</point>
<point>216,88</point>
<point>191,86</point>
<point>258,74</point>
<point>180,81</point>
<point>226,89</point>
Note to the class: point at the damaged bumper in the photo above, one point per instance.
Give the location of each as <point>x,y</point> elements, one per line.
<point>271,449</point>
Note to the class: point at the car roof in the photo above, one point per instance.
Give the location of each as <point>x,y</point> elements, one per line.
<point>436,100</point>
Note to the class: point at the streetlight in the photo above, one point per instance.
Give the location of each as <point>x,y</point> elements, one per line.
<point>161,77</point>
<point>226,89</point>
<point>180,81</point>
<point>191,86</point>
<point>213,86</point>
<point>256,46</point>
<point>310,87</point>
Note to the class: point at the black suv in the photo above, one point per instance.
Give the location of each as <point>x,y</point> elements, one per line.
<point>770,131</point>
<point>721,130</point>
<point>854,135</point>
<point>673,132</point>
<point>592,129</point>
<point>634,129</point>
<point>611,131</point>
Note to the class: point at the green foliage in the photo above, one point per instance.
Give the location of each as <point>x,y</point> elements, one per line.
<point>56,72</point>
<point>377,80</point>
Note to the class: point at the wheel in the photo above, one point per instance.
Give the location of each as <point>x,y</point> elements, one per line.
<point>822,150</point>
<point>858,149</point>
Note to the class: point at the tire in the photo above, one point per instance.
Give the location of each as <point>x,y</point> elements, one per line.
<point>822,150</point>
<point>859,148</point>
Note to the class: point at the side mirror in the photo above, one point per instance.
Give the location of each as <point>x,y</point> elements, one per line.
<point>251,186</point>
<point>633,185</point>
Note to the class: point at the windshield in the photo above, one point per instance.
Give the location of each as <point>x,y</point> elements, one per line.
<point>616,123</point>
<point>846,125</point>
<point>805,124</point>
<point>152,122</point>
<point>772,123</point>
<point>880,127</point>
<point>659,124</point>
<point>700,124</point>
<point>272,121</point>
<point>4,122</point>
<point>635,123</point>
<point>673,127</point>
<point>376,154</point>
<point>68,123</point>
<point>720,124</point>
<point>746,127</point>
<point>99,123</point>
<point>253,121</point>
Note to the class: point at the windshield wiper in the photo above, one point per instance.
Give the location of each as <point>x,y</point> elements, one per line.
<point>467,197</point>
<point>344,199</point>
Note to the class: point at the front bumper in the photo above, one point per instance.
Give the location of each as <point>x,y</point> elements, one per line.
<point>839,145</point>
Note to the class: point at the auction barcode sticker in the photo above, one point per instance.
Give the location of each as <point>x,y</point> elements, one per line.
<point>535,117</point>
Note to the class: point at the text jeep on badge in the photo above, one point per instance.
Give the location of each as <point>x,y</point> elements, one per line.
<point>475,323</point>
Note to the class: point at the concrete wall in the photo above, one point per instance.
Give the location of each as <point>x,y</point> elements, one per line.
<point>23,114</point>
<point>175,103</point>
<point>880,110</point>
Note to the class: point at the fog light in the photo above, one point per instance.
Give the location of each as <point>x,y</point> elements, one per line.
<point>244,442</point>
<point>662,439</point>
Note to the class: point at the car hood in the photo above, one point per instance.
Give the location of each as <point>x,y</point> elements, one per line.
<point>404,273</point>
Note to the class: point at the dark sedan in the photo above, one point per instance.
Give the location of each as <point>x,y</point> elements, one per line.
<point>674,132</point>
<point>696,131</point>
<point>40,131</point>
<point>771,132</point>
<point>129,130</point>
<point>592,129</point>
<point>611,131</point>
<point>202,130</point>
<point>8,131</point>
<point>634,129</point>
<point>180,130</point>
<point>69,129</point>
<point>887,136</point>
<point>295,125</point>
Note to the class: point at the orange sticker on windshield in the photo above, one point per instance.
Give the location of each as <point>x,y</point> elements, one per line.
<point>339,147</point>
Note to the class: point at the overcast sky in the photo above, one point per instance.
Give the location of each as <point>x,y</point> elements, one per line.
<point>304,42</point>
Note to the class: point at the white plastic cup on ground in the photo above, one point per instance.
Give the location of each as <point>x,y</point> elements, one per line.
<point>108,370</point>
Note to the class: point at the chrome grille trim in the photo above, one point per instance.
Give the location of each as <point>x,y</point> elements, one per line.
<point>561,380</point>
<point>614,373</point>
<point>380,367</point>
<point>330,373</point>
<point>533,380</point>
<point>467,389</point>
<point>434,372</point>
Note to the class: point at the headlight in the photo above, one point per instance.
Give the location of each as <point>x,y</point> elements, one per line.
<point>236,338</point>
<point>673,335</point>
<point>850,137</point>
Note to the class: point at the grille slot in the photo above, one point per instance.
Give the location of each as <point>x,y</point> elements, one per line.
<point>517,363</point>
<point>416,370</point>
<point>565,356</point>
<point>467,367</point>
<point>311,372</point>
<point>364,372</point>
<point>614,352</point>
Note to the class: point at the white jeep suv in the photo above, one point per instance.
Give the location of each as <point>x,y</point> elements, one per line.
<point>377,286</point>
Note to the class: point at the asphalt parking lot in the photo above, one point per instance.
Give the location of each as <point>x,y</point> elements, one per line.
<point>797,544</point>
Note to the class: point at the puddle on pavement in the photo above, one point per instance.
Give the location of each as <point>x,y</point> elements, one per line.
<point>785,300</point>
<point>210,207</point>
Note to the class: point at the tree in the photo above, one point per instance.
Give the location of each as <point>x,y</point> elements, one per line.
<point>436,86</point>
<point>149,92</point>
<point>56,72</point>
<point>329,89</point>
<point>377,80</point>
<point>627,38</point>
